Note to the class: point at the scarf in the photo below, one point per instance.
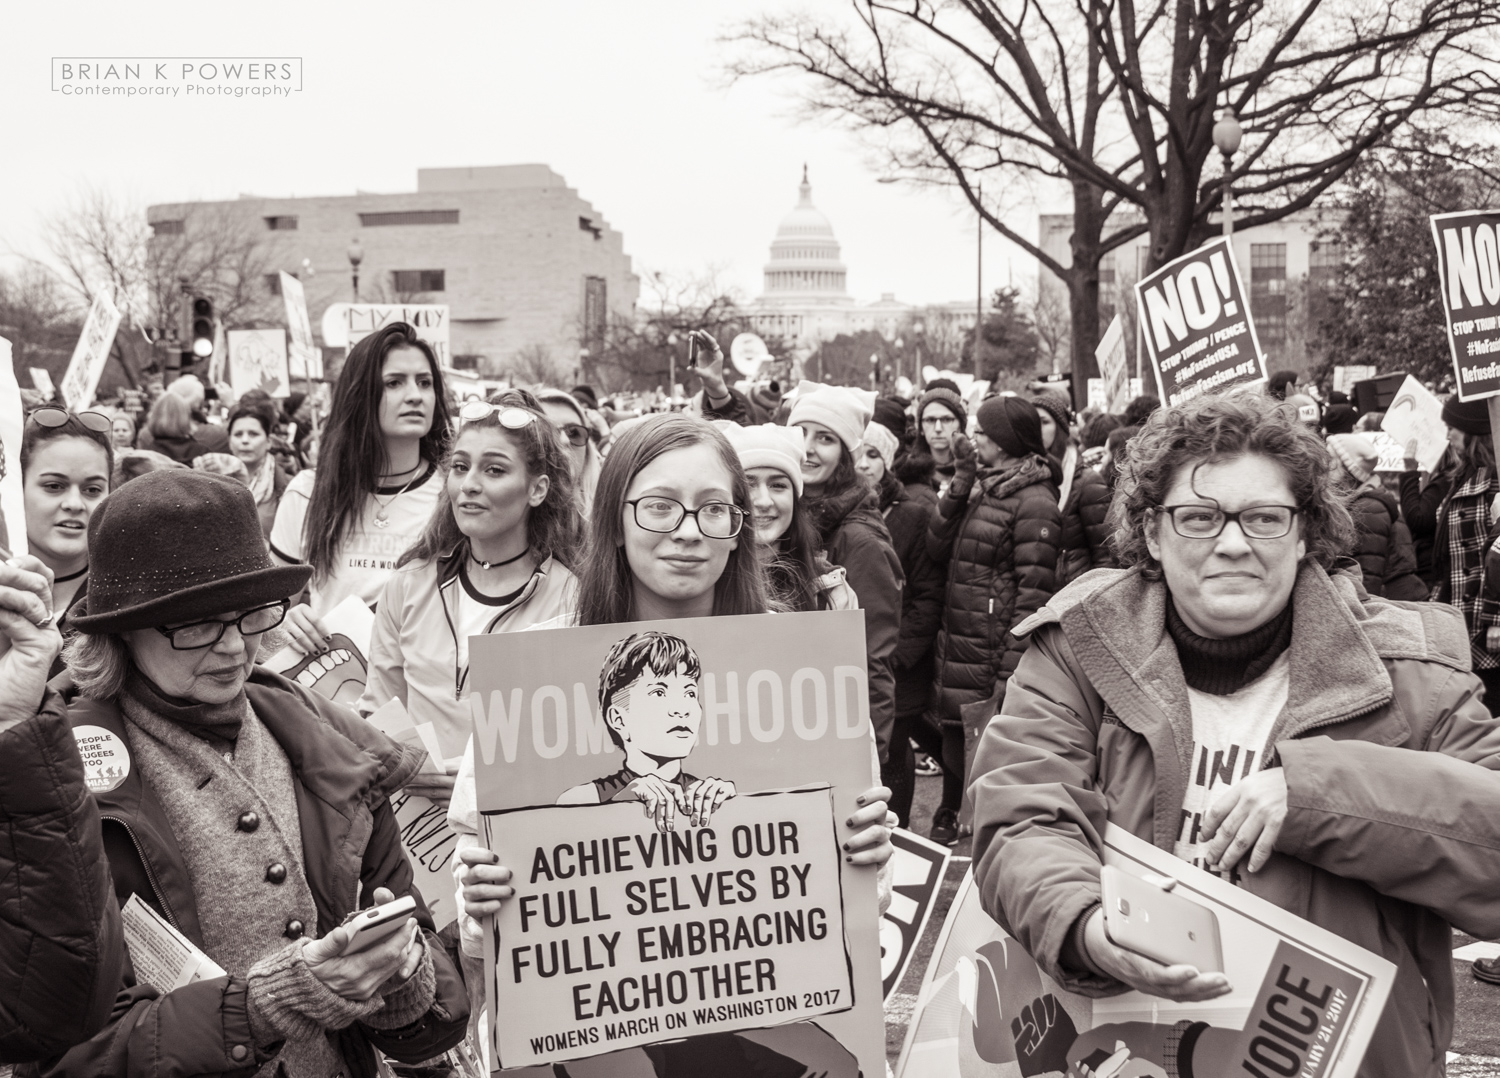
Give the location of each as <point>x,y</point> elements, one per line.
<point>218,724</point>
<point>828,510</point>
<point>263,482</point>
<point>1222,667</point>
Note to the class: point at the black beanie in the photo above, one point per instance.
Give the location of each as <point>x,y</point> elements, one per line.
<point>1013,425</point>
<point>1471,418</point>
<point>1339,419</point>
<point>891,414</point>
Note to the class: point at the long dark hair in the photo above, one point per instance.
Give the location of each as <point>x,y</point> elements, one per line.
<point>554,528</point>
<point>352,455</point>
<point>793,573</point>
<point>605,591</point>
<point>844,476</point>
<point>1477,454</point>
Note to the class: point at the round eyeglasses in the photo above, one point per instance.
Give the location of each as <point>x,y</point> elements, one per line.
<point>574,434</point>
<point>510,417</point>
<point>1208,521</point>
<point>205,634</point>
<point>716,520</point>
<point>50,415</point>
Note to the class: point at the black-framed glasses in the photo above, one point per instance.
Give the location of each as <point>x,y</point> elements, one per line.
<point>205,634</point>
<point>1208,521</point>
<point>716,520</point>
<point>575,434</point>
<point>936,421</point>
<point>50,415</point>
<point>510,417</point>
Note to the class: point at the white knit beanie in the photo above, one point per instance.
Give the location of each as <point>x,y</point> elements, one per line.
<point>768,446</point>
<point>842,409</point>
<point>879,438</point>
<point>1357,453</point>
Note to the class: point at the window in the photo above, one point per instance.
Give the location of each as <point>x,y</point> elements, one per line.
<point>418,280</point>
<point>167,228</point>
<point>1268,291</point>
<point>586,224</point>
<point>409,217</point>
<point>466,362</point>
<point>594,313</point>
<point>273,283</point>
<point>286,223</point>
<point>1324,261</point>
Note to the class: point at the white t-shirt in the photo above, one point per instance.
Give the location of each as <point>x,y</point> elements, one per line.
<point>369,553</point>
<point>1229,744</point>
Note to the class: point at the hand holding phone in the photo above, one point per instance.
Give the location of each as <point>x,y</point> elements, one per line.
<point>370,926</point>
<point>706,360</point>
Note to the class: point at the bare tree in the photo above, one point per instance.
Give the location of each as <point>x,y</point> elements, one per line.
<point>1049,317</point>
<point>1117,99</point>
<point>533,365</point>
<point>39,319</point>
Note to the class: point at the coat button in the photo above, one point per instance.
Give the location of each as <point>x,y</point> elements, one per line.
<point>239,1052</point>
<point>276,873</point>
<point>294,929</point>
<point>248,821</point>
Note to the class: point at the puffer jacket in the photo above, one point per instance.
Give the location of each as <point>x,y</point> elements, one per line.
<point>908,508</point>
<point>1392,831</point>
<point>1085,520</point>
<point>1419,509</point>
<point>344,771</point>
<point>854,536</point>
<point>1001,549</point>
<point>60,925</point>
<point>1383,548</point>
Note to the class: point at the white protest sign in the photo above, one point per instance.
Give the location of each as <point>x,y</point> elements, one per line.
<point>917,868</point>
<point>305,359</point>
<point>90,354</point>
<point>1345,377</point>
<point>41,378</point>
<point>1196,325</point>
<point>1113,370</point>
<point>430,320</point>
<point>338,673</point>
<point>258,360</point>
<point>1417,414</point>
<point>1097,398</point>
<point>12,422</point>
<point>1392,453</point>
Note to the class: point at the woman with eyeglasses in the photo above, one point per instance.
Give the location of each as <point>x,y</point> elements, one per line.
<point>67,460</point>
<point>373,492</point>
<point>1232,696</point>
<point>251,815</point>
<point>572,426</point>
<point>497,556</point>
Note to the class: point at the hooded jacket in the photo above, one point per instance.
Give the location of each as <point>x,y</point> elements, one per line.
<point>1085,520</point>
<point>908,507</point>
<point>1001,549</point>
<point>1392,830</point>
<point>344,771</point>
<point>1384,548</point>
<point>414,644</point>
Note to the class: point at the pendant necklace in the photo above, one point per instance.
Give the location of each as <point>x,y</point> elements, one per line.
<point>497,564</point>
<point>382,518</point>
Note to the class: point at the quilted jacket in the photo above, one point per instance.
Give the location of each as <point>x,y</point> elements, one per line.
<point>1384,548</point>
<point>1085,521</point>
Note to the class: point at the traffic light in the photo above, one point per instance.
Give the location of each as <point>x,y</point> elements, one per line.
<point>201,338</point>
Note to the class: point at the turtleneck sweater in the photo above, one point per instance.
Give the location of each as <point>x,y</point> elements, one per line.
<point>1220,667</point>
<point>218,724</point>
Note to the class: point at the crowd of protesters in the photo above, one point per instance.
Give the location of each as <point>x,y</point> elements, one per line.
<point>1062,612</point>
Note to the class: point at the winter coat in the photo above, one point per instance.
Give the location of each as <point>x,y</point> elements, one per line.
<point>60,934</point>
<point>1383,548</point>
<point>1419,508</point>
<point>854,536</point>
<point>1463,528</point>
<point>344,771</point>
<point>414,644</point>
<point>1001,550</point>
<point>182,450</point>
<point>1085,520</point>
<point>1392,831</point>
<point>908,507</point>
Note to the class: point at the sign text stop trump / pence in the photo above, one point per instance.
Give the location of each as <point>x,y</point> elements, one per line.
<point>635,935</point>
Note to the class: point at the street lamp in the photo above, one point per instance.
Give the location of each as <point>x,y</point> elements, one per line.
<point>356,256</point>
<point>874,368</point>
<point>1227,134</point>
<point>671,367</point>
<point>900,344</point>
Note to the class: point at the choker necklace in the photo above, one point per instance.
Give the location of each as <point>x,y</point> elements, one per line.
<point>382,519</point>
<point>497,564</point>
<point>70,576</point>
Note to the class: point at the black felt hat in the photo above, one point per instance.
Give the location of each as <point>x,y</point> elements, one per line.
<point>176,546</point>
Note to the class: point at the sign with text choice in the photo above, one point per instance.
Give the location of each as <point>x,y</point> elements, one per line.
<point>90,354</point>
<point>304,358</point>
<point>1197,326</point>
<point>629,935</point>
<point>1468,252</point>
<point>1113,369</point>
<point>430,320</point>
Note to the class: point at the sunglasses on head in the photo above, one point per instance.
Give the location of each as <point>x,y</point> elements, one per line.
<point>510,417</point>
<point>53,416</point>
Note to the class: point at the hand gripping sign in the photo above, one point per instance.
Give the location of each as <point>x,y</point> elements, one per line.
<point>670,797</point>
<point>1196,325</point>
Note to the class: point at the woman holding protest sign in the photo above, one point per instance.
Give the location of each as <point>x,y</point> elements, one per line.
<point>1356,725</point>
<point>373,492</point>
<point>496,557</point>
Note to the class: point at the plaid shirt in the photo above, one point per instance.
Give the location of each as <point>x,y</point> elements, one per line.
<point>1464,520</point>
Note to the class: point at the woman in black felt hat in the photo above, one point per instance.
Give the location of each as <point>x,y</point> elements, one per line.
<point>241,808</point>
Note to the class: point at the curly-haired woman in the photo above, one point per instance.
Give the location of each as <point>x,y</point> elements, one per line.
<point>1232,699</point>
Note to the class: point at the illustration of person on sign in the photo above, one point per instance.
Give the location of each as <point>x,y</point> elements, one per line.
<point>648,696</point>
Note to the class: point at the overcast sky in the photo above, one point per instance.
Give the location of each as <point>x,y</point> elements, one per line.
<point>623,100</point>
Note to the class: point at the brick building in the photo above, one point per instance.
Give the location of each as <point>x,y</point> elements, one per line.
<point>523,262</point>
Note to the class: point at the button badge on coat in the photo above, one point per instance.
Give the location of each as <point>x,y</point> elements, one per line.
<point>106,761</point>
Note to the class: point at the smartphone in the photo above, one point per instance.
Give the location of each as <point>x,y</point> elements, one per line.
<point>1139,916</point>
<point>378,923</point>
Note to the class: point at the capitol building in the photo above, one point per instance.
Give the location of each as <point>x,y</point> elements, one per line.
<point>806,300</point>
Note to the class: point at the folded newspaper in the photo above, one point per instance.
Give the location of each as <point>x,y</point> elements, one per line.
<point>162,956</point>
<point>1304,1002</point>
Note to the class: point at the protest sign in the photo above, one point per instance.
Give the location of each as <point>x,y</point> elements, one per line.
<point>1196,325</point>
<point>1417,415</point>
<point>430,320</point>
<point>257,360</point>
<point>986,1009</point>
<point>338,673</point>
<point>12,423</point>
<point>1345,377</point>
<point>917,869</point>
<point>90,354</point>
<point>41,378</point>
<point>743,935</point>
<point>304,358</point>
<point>1392,456</point>
<point>1113,369</point>
<point>1468,255</point>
